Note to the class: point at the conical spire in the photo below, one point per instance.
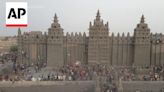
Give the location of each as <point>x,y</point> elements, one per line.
<point>123,34</point>
<point>112,34</point>
<point>67,34</point>
<point>55,18</point>
<point>45,33</point>
<point>72,34</point>
<point>90,24</point>
<point>107,24</point>
<point>76,34</point>
<point>55,23</point>
<point>128,35</point>
<point>98,15</point>
<point>142,19</point>
<point>118,34</point>
<point>84,34</point>
<point>19,31</point>
<point>80,34</point>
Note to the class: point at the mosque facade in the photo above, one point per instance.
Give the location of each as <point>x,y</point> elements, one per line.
<point>101,46</point>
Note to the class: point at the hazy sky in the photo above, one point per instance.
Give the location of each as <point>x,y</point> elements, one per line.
<point>74,15</point>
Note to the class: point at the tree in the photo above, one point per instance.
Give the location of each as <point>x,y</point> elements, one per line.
<point>14,48</point>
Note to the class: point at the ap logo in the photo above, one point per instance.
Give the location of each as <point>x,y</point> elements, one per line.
<point>16,14</point>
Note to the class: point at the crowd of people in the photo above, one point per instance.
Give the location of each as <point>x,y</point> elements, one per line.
<point>91,72</point>
<point>105,76</point>
<point>71,73</point>
<point>154,73</point>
